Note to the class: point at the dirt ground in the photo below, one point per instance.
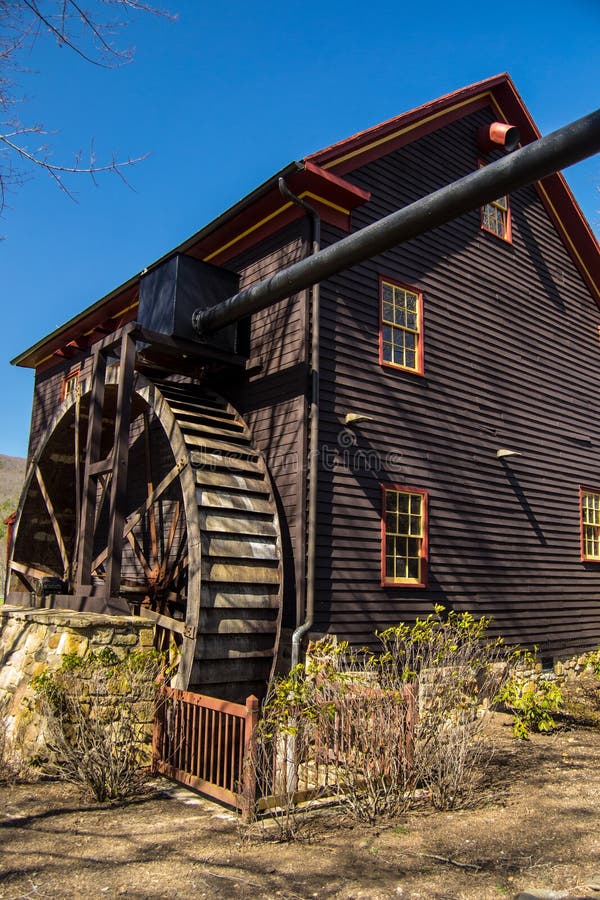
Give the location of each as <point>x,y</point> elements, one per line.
<point>536,827</point>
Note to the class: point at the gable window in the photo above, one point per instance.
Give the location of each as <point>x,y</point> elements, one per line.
<point>404,536</point>
<point>401,328</point>
<point>590,524</point>
<point>70,384</point>
<point>495,217</point>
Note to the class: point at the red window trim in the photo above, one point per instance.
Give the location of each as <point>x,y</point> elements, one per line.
<point>420,370</point>
<point>507,238</point>
<point>406,489</point>
<point>585,489</point>
<point>71,374</point>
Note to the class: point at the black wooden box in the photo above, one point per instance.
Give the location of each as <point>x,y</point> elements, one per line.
<point>171,292</point>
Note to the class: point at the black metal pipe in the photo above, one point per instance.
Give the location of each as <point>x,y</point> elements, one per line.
<point>543,157</point>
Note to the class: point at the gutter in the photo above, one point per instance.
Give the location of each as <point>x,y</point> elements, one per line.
<point>313,469</point>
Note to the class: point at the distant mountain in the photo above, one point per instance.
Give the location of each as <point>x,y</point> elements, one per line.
<point>12,475</point>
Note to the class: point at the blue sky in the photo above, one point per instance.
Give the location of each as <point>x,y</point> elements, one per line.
<point>224,97</point>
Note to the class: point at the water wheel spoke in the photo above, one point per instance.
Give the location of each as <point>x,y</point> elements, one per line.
<point>54,522</point>
<point>170,541</point>
<point>78,498</point>
<point>104,482</point>
<point>25,572</point>
<point>136,516</point>
<point>157,492</point>
<point>149,572</point>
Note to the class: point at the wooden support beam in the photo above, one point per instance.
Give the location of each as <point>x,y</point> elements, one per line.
<point>118,488</point>
<point>167,622</point>
<point>92,454</point>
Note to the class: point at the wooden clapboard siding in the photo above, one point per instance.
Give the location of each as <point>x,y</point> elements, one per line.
<point>511,360</point>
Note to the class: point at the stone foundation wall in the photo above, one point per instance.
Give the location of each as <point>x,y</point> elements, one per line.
<point>33,641</point>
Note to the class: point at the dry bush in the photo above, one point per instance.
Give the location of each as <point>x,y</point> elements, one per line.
<point>330,730</point>
<point>15,766</point>
<point>459,672</point>
<point>98,715</point>
<point>378,730</point>
<point>8,769</point>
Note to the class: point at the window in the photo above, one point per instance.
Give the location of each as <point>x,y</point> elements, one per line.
<point>590,524</point>
<point>495,217</point>
<point>70,384</point>
<point>404,537</point>
<point>401,343</point>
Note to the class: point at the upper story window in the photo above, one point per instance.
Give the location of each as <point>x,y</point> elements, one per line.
<point>70,384</point>
<point>495,217</point>
<point>590,524</point>
<point>404,537</point>
<point>401,327</point>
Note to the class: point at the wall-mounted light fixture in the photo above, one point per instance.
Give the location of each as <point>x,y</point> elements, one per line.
<point>355,418</point>
<point>503,453</point>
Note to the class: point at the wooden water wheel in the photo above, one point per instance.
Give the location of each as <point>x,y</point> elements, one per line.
<point>200,544</point>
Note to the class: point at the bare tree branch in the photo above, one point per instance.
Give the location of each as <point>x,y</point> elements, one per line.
<point>82,31</point>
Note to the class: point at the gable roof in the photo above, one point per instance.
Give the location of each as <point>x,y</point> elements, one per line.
<point>319,177</point>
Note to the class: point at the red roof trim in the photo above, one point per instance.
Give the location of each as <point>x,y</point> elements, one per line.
<point>380,133</point>
<point>265,211</point>
<point>333,197</point>
<point>502,95</point>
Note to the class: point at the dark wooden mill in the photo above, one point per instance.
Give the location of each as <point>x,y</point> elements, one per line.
<point>172,419</point>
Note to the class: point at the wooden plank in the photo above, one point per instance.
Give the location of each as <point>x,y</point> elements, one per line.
<point>176,625</point>
<point>235,547</point>
<point>240,574</point>
<point>225,501</point>
<point>232,597</point>
<point>29,571</point>
<point>207,443</point>
<point>97,603</point>
<point>150,492</point>
<point>251,485</point>
<point>198,784</point>
<point>203,700</point>
<point>241,524</point>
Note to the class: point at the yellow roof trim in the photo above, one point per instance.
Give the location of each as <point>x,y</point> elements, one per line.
<point>322,200</point>
<point>405,130</point>
<point>269,218</point>
<point>248,231</point>
<point>566,235</point>
<point>126,309</point>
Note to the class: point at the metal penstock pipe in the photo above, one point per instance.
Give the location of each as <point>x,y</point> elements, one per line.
<point>543,157</point>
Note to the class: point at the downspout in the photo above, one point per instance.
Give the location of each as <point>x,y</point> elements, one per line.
<point>313,466</point>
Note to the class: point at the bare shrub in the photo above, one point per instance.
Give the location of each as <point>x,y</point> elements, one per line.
<point>330,730</point>
<point>8,769</point>
<point>15,766</point>
<point>376,731</point>
<point>99,714</point>
<point>459,672</point>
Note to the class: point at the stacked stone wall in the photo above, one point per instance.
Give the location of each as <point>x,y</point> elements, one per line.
<point>34,641</point>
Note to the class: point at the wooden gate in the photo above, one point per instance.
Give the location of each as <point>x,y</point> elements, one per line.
<point>203,742</point>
